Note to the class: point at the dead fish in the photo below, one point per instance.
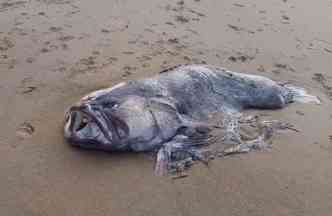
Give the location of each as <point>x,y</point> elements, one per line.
<point>169,113</point>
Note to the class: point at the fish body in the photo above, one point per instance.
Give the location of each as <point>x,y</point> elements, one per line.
<point>170,111</point>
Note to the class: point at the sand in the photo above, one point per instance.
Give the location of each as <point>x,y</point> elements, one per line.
<point>52,52</point>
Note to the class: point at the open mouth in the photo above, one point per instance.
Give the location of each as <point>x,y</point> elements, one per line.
<point>79,125</point>
<point>83,123</point>
<point>93,127</point>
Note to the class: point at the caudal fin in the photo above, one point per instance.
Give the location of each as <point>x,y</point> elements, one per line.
<point>301,95</point>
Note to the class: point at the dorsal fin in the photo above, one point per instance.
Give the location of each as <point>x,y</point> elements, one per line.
<point>172,68</point>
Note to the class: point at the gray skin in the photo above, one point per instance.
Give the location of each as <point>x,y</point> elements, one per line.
<point>169,112</point>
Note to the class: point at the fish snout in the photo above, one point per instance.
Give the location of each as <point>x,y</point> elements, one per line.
<point>82,130</point>
<point>75,123</point>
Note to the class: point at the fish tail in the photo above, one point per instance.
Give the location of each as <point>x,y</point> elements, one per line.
<point>297,94</point>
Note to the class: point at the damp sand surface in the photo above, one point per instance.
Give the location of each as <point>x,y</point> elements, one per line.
<point>52,52</point>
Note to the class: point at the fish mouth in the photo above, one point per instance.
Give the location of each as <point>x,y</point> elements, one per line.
<point>89,127</point>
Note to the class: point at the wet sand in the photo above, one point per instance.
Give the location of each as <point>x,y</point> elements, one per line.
<point>54,51</point>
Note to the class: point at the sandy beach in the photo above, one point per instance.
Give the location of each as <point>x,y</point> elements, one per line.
<point>52,52</point>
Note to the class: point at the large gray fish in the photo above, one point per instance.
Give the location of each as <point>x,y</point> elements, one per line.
<point>171,112</point>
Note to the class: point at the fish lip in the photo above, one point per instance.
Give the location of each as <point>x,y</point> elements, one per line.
<point>103,123</point>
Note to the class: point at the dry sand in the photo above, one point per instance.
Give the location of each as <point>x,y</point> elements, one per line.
<point>54,51</point>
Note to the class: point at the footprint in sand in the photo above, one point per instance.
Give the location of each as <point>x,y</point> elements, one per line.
<point>25,130</point>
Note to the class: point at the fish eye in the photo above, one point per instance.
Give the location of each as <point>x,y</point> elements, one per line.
<point>109,104</point>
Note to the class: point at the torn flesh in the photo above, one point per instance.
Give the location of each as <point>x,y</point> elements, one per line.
<point>228,137</point>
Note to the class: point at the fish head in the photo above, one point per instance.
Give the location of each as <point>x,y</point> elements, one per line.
<point>109,126</point>
<point>87,128</point>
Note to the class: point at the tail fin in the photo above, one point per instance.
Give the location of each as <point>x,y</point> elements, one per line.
<point>300,95</point>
